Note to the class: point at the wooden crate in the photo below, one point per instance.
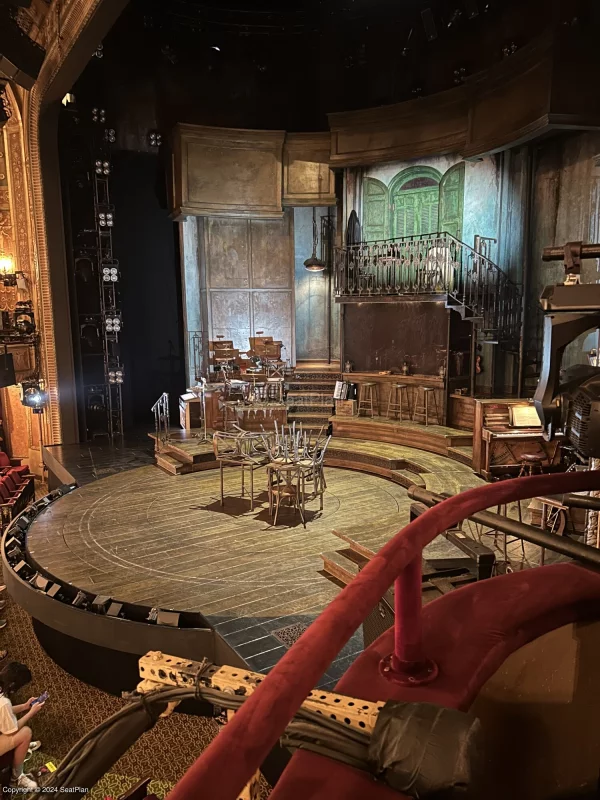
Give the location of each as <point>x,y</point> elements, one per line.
<point>345,408</point>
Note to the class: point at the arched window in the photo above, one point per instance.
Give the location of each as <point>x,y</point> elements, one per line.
<point>415,199</point>
<point>419,201</point>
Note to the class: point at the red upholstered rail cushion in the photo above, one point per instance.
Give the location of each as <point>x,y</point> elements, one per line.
<point>469,633</point>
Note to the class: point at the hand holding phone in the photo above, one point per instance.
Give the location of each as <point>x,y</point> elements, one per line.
<point>41,699</point>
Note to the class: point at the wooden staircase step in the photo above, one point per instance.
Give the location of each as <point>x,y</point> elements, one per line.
<point>409,478</point>
<point>171,465</point>
<point>339,566</point>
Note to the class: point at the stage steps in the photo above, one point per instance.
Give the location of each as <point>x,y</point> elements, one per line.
<point>310,397</point>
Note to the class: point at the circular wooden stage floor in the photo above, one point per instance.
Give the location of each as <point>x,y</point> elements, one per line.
<point>146,537</point>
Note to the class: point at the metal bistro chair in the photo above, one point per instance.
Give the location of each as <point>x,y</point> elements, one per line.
<point>285,480</point>
<point>313,473</point>
<point>240,449</point>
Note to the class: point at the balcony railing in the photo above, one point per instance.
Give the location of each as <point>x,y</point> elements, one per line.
<point>429,265</point>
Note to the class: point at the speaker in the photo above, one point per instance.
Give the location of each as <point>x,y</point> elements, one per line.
<point>100,604</point>
<point>168,618</point>
<point>7,370</point>
<point>20,57</point>
<point>114,610</point>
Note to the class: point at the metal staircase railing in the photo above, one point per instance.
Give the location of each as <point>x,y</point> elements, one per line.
<point>161,421</point>
<point>429,265</point>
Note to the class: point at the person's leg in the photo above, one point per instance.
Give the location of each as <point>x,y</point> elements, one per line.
<point>21,742</point>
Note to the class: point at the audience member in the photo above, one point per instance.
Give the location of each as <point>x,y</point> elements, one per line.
<point>15,734</point>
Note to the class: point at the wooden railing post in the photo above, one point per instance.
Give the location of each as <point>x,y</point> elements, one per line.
<point>408,664</point>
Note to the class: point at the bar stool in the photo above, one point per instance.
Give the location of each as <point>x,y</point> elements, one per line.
<point>368,398</point>
<point>421,404</point>
<point>530,463</point>
<point>398,391</point>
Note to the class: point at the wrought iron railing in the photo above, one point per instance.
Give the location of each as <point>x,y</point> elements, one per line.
<point>161,421</point>
<point>432,264</point>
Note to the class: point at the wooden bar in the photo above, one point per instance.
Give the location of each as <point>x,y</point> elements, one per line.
<point>384,383</point>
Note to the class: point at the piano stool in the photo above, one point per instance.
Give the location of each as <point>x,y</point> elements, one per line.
<point>530,462</point>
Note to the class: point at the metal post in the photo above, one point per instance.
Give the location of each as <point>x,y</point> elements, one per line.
<point>407,665</point>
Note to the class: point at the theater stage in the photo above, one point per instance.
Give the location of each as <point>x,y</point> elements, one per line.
<point>144,537</point>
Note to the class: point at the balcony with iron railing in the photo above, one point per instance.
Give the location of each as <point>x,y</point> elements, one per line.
<point>434,266</point>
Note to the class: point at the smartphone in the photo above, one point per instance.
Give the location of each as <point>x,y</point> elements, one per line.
<point>41,699</point>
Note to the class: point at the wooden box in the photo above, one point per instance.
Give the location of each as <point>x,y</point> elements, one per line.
<point>345,408</point>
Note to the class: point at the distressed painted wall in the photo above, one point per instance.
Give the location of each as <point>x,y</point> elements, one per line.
<point>316,309</point>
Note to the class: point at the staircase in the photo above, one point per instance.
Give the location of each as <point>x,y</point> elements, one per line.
<point>310,397</point>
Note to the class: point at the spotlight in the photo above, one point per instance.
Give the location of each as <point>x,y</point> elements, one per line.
<point>100,604</point>
<point>509,49</point>
<point>115,376</point>
<point>155,139</point>
<point>34,396</point>
<point>454,17</point>
<point>53,590</point>
<point>459,75</point>
<point>110,135</point>
<point>110,274</point>
<point>115,610</point>
<point>170,618</point>
<point>68,100</point>
<point>81,600</point>
<point>24,318</point>
<point>112,324</point>
<point>8,275</point>
<point>153,615</point>
<point>102,167</point>
<point>39,582</point>
<point>98,115</point>
<point>106,219</point>
<point>23,522</point>
<point>99,51</point>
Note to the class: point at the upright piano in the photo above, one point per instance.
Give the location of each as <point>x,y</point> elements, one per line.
<point>504,431</point>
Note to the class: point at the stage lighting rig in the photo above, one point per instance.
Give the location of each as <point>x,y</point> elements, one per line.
<point>98,115</point>
<point>110,272</point>
<point>155,139</point>
<point>106,219</point>
<point>110,135</point>
<point>115,376</point>
<point>112,323</point>
<point>102,167</point>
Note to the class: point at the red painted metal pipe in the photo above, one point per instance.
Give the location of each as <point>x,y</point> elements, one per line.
<point>231,759</point>
<point>408,664</point>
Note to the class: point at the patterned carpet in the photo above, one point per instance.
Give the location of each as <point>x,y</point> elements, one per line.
<point>74,708</point>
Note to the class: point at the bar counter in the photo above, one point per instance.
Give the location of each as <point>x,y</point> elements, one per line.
<point>413,381</point>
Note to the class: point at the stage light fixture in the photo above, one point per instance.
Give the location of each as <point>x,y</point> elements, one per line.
<point>110,135</point>
<point>170,618</point>
<point>110,274</point>
<point>8,274</point>
<point>80,600</point>
<point>314,264</point>
<point>68,100</point>
<point>115,610</point>
<point>152,615</point>
<point>105,219</point>
<point>34,396</point>
<point>24,319</point>
<point>115,376</point>
<point>39,582</point>
<point>102,167</point>
<point>429,24</point>
<point>155,139</point>
<point>23,522</point>
<point>99,51</point>
<point>53,590</point>
<point>112,323</point>
<point>454,18</point>
<point>22,568</point>
<point>509,49</point>
<point>98,115</point>
<point>100,604</point>
<point>459,75</point>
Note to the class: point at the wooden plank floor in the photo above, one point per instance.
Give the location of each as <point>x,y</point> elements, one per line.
<point>145,537</point>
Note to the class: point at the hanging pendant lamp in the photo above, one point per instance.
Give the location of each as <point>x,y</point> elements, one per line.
<point>314,264</point>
